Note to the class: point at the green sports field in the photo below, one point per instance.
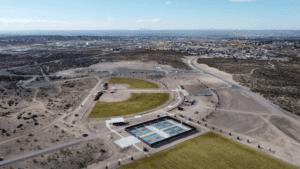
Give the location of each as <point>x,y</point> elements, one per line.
<point>135,83</point>
<point>209,151</point>
<point>139,102</point>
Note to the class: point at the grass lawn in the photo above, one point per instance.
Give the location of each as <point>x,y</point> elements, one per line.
<point>139,102</point>
<point>209,151</point>
<point>135,83</point>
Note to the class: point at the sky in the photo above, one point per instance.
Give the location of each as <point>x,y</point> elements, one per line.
<point>149,14</point>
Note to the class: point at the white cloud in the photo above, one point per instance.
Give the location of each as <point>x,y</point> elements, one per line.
<point>168,3</point>
<point>242,0</point>
<point>7,20</point>
<point>155,20</point>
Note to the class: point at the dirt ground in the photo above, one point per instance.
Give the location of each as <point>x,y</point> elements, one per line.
<point>49,137</point>
<point>77,156</point>
<point>115,97</point>
<point>194,90</point>
<point>66,95</point>
<point>224,75</point>
<point>237,100</point>
<point>229,110</point>
<point>120,66</point>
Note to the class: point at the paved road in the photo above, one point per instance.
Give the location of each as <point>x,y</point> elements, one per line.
<point>144,72</point>
<point>30,155</point>
<point>191,62</point>
<point>273,108</point>
<point>136,72</point>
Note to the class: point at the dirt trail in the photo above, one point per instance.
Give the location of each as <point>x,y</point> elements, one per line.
<point>45,76</point>
<point>283,144</point>
<point>81,110</point>
<point>244,112</point>
<point>27,82</point>
<point>41,105</point>
<point>3,88</point>
<point>252,71</point>
<point>37,130</point>
<point>272,66</point>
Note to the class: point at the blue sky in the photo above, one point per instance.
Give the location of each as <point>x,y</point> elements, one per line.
<point>149,14</point>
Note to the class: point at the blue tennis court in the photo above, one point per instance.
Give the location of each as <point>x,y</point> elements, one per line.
<point>169,131</point>
<point>176,128</point>
<point>168,124</point>
<point>159,130</point>
<point>160,139</point>
<point>154,136</point>
<point>146,131</point>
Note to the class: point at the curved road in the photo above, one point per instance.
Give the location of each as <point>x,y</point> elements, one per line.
<point>270,106</point>
<point>191,62</point>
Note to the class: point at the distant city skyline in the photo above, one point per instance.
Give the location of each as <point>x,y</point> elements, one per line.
<point>150,15</point>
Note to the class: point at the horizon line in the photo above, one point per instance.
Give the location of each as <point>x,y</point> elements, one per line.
<point>150,30</point>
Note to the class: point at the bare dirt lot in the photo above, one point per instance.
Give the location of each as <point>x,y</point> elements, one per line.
<point>286,126</point>
<point>49,137</point>
<point>61,107</point>
<point>236,100</point>
<point>65,95</point>
<point>78,156</point>
<point>115,97</point>
<point>275,80</point>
